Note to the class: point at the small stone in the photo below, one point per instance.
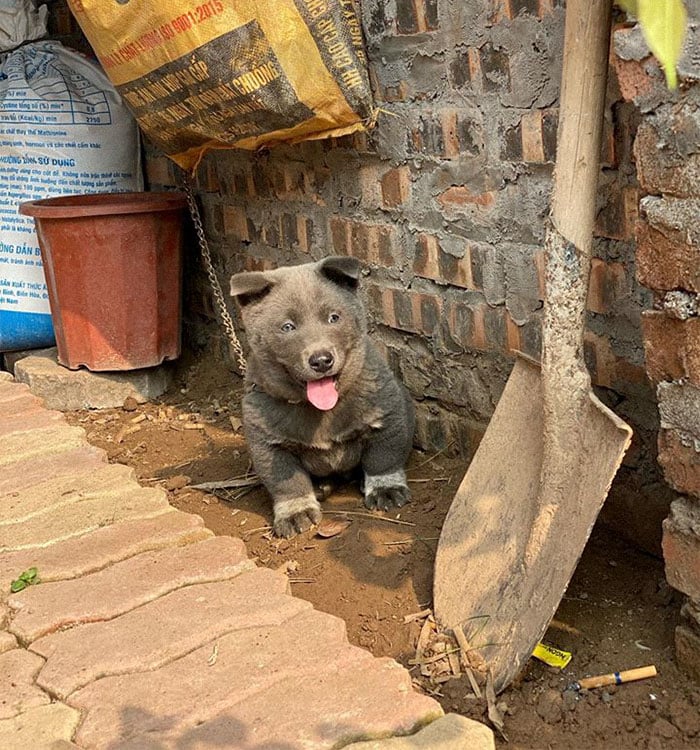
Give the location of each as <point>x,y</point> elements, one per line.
<point>177,482</point>
<point>130,404</point>
<point>550,707</point>
<point>606,697</point>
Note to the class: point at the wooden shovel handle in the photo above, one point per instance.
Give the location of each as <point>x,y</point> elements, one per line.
<point>581,110</point>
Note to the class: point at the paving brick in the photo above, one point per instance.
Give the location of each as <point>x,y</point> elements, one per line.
<point>319,703</point>
<point>681,546</point>
<point>18,692</point>
<point>24,473</point>
<point>29,418</point>
<point>451,732</point>
<point>104,546</point>
<point>55,492</point>
<point>7,641</point>
<point>124,586</point>
<point>43,728</point>
<point>39,443</point>
<point>68,390</point>
<point>92,511</point>
<point>680,459</point>
<point>184,693</point>
<point>187,619</point>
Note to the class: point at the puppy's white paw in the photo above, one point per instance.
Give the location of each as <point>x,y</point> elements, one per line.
<point>386,491</point>
<point>294,516</point>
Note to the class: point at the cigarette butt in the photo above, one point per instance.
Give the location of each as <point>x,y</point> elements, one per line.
<point>617,678</point>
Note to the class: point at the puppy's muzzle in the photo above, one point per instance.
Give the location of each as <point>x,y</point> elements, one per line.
<point>322,361</point>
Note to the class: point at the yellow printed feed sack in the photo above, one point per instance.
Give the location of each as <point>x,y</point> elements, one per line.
<point>222,74</point>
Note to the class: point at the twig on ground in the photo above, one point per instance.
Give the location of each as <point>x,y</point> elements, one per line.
<point>228,484</point>
<point>368,515</point>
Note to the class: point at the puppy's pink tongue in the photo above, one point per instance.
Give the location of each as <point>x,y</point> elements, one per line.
<point>322,393</point>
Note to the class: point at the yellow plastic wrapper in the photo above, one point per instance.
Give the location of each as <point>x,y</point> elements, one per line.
<point>552,656</point>
<point>243,74</point>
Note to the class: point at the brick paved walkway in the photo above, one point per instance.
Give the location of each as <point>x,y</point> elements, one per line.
<point>148,632</point>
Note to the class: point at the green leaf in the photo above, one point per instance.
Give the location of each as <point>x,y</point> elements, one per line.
<point>664,24</point>
<point>25,578</point>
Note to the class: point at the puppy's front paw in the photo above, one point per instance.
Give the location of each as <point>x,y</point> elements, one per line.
<point>386,491</point>
<point>294,516</point>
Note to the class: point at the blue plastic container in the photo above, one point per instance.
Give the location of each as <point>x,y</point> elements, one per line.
<point>23,330</point>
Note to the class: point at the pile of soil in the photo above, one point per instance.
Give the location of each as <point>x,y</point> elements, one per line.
<point>376,570</point>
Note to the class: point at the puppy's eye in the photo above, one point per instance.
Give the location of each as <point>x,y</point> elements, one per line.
<point>288,327</point>
<point>333,318</point>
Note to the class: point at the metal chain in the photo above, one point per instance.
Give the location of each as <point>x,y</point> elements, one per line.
<point>225,318</point>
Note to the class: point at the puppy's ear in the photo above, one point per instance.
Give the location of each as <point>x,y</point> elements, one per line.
<point>341,270</point>
<point>249,286</point>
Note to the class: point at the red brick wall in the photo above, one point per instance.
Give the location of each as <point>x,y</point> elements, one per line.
<point>667,157</point>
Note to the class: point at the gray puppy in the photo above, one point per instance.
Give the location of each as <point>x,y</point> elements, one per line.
<point>319,398</point>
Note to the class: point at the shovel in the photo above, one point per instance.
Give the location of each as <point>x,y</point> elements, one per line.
<point>525,509</point>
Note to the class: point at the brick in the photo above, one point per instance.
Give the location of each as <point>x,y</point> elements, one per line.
<point>427,137</point>
<point>681,546</point>
<point>91,512</point>
<point>431,262</point>
<point>54,492</point>
<point>465,324</point>
<point>633,79</point>
<point>679,406</point>
<point>458,197</point>
<point>158,172</point>
<point>188,619</point>
<point>32,418</point>
<point>124,586</point>
<point>672,347</point>
<point>495,68</point>
<point>236,223</point>
<point>18,668</point>
<point>688,651</point>
<point>679,457</point>
<point>305,233</point>
<point>663,166</point>
<point>42,728</point>
<point>69,390</point>
<point>488,272</point>
<point>550,122</point>
<point>340,235</point>
<point>415,16</point>
<point>104,546</point>
<point>606,285</point>
<point>23,474</point>
<point>314,701</point>
<point>396,187</point>
<point>617,219</point>
<point>38,445</point>
<point>668,252</point>
<point>7,641</point>
<point>451,732</point>
<point>532,141</point>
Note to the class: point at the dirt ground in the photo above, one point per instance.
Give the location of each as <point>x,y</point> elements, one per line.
<point>618,612</point>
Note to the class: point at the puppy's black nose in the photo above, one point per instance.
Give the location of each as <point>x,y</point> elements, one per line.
<point>321,361</point>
